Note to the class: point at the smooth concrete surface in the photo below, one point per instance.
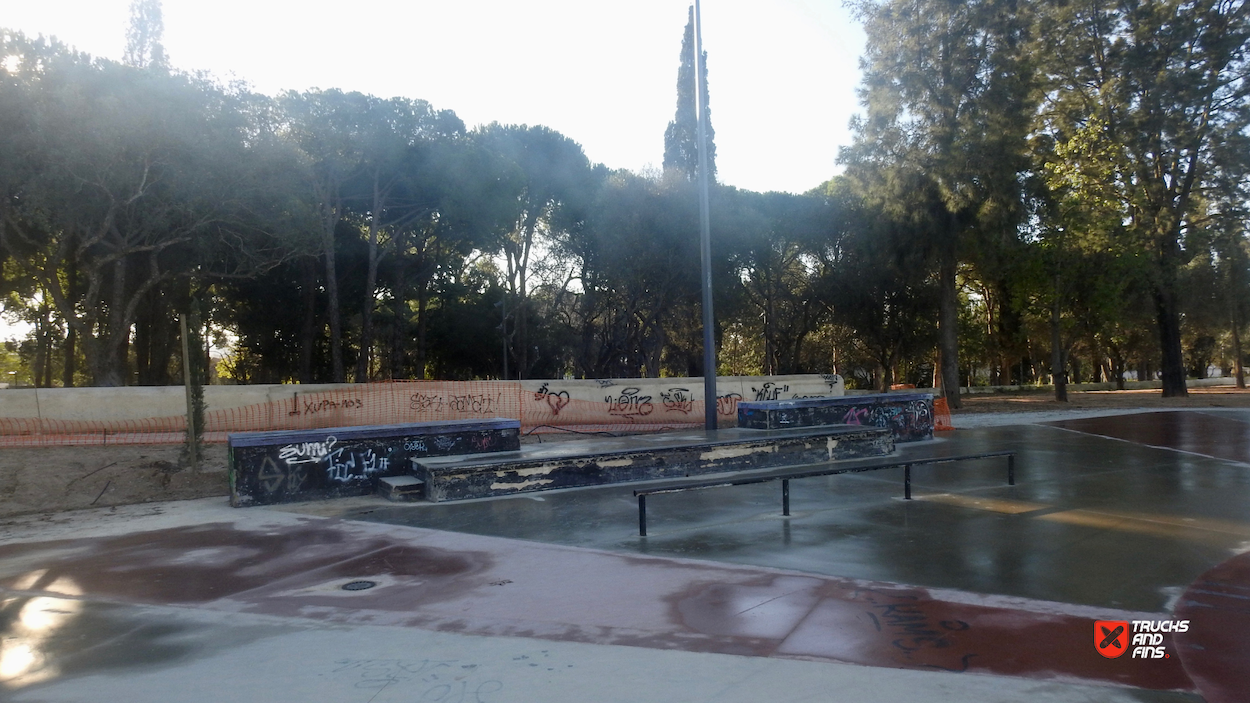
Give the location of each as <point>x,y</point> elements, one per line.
<point>859,596</point>
<point>197,602</point>
<point>1091,520</point>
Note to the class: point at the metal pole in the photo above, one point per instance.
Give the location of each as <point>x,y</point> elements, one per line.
<point>186,380</point>
<point>907,482</point>
<point>709,341</point>
<point>785,496</point>
<point>642,516</point>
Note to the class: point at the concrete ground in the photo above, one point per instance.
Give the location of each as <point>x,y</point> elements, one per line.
<point>975,591</point>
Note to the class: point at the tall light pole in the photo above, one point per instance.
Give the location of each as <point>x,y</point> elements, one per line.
<point>705,230</point>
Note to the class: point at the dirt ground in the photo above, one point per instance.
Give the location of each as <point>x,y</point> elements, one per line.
<point>53,479</point>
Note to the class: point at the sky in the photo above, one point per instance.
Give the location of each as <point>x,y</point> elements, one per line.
<point>781,75</point>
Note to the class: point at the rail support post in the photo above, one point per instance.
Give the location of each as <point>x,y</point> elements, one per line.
<point>785,497</point>
<point>642,516</point>
<point>907,482</point>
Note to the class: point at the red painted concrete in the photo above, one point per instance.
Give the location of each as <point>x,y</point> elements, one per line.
<point>1216,648</point>
<point>1200,433</point>
<point>492,586</point>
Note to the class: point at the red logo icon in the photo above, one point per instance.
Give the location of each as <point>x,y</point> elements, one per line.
<point>1111,637</point>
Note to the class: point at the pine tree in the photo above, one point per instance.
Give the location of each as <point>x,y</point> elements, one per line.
<point>143,38</point>
<point>681,151</point>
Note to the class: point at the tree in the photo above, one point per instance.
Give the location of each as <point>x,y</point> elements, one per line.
<point>1162,82</point>
<point>681,138</point>
<point>947,91</point>
<point>122,180</point>
<point>554,184</point>
<point>143,37</point>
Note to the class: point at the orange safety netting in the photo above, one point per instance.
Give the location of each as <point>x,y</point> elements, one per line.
<point>622,410</point>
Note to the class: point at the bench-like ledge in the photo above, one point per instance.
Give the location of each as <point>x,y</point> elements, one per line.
<point>908,416</point>
<point>294,465</point>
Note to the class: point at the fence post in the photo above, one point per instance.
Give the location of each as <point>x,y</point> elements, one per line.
<point>186,380</point>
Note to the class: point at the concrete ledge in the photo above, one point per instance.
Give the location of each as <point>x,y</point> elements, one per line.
<point>908,416</point>
<point>676,455</point>
<point>295,465</point>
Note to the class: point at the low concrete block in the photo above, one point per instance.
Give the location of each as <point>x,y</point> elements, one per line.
<point>286,466</point>
<point>909,416</point>
<point>642,458</point>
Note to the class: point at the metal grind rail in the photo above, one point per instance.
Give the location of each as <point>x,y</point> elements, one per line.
<point>846,469</point>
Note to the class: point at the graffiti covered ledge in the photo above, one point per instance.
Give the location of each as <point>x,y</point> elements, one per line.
<point>287,466</point>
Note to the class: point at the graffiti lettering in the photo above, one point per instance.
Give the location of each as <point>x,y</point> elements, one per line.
<point>312,407</point>
<point>443,443</point>
<point>306,452</point>
<point>422,402</point>
<point>415,445</point>
<point>555,401</point>
<point>770,391</point>
<point>832,379</point>
<point>677,400</point>
<point>343,466</point>
<point>728,404</point>
<point>479,404</point>
<point>629,404</point>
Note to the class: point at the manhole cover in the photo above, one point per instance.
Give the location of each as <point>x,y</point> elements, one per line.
<point>359,585</point>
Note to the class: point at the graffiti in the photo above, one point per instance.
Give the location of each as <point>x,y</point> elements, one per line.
<point>857,416</point>
<point>344,466</point>
<point>605,382</point>
<point>443,442</point>
<point>437,681</point>
<point>833,380</point>
<point>273,478</point>
<point>306,452</point>
<point>629,404</point>
<point>422,402</point>
<point>728,404</point>
<point>770,391</point>
<point>913,632</point>
<point>415,445</point>
<point>907,421</point>
<point>555,401</point>
<point>479,404</point>
<point>677,400</point>
<point>312,407</point>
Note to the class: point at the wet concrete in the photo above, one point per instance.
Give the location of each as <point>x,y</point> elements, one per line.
<point>993,589</point>
<point>1091,521</point>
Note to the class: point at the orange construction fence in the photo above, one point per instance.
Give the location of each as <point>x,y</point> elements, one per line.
<point>623,409</point>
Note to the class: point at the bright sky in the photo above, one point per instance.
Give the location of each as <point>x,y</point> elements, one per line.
<point>782,75</point>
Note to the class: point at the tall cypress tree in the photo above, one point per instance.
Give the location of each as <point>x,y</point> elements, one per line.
<point>143,38</point>
<point>681,139</point>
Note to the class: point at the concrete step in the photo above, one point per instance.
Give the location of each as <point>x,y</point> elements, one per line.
<point>401,488</point>
<point>641,458</point>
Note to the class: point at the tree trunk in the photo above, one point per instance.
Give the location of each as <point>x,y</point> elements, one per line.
<point>399,322</point>
<point>948,323</point>
<point>1240,372</point>
<point>71,354</point>
<point>1058,372</point>
<point>308,328</point>
<point>1173,359</point>
<point>371,284</point>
